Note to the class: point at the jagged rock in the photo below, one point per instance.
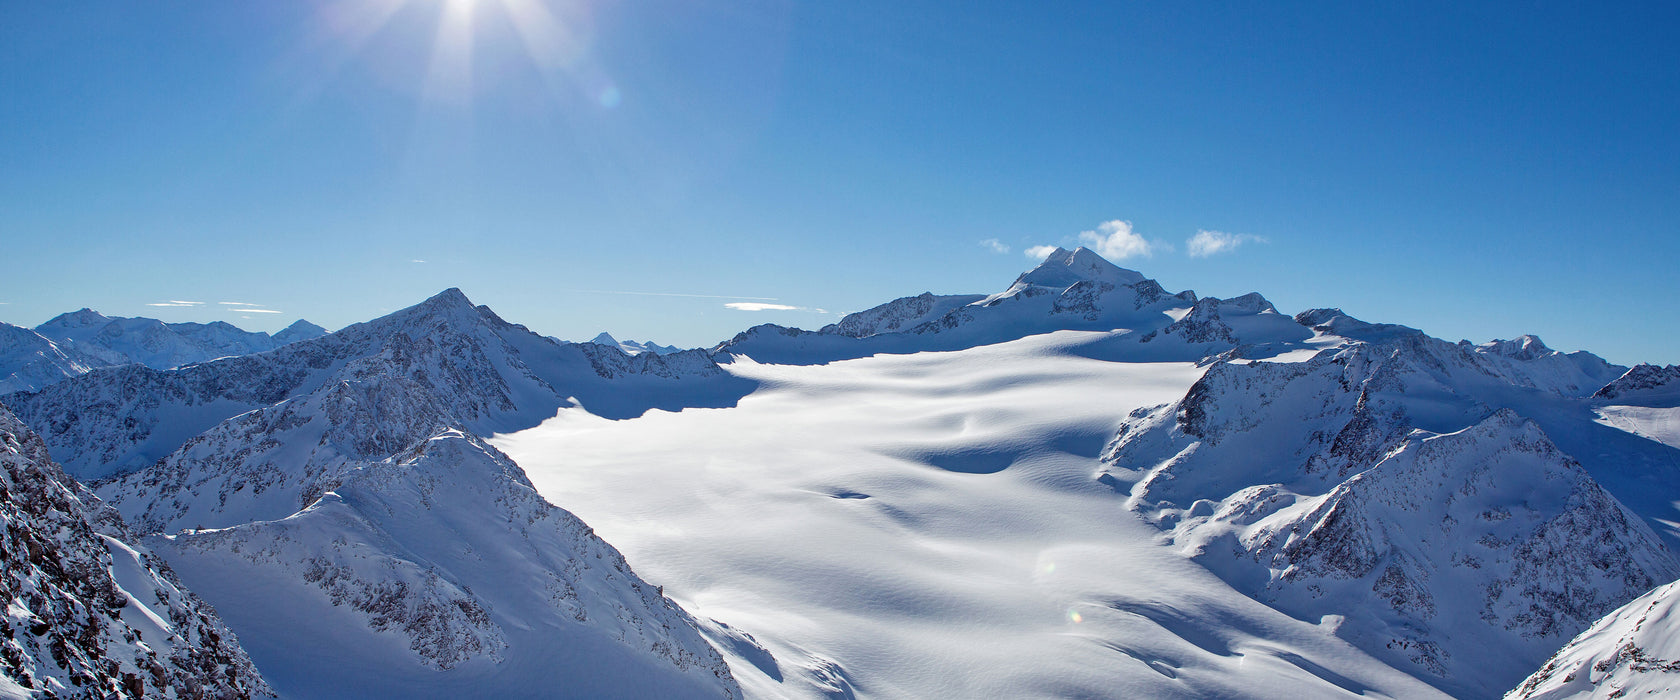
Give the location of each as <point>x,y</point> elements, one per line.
<point>1633,652</point>
<point>1645,384</point>
<point>88,612</point>
<point>1372,471</point>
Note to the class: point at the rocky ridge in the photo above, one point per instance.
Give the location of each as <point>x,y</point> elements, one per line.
<point>89,611</point>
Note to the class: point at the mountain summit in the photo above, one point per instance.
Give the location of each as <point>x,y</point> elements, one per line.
<point>1064,268</point>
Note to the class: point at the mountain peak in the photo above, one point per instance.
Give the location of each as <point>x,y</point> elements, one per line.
<point>451,297</point>
<point>1522,347</point>
<point>81,318</point>
<point>299,330</point>
<point>1065,267</point>
<point>605,338</point>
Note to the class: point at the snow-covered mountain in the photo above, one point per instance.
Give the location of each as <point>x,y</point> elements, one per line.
<point>1389,467</point>
<point>631,347</point>
<point>972,487</point>
<point>75,343</point>
<point>1644,385</point>
<point>440,572</point>
<point>30,361</point>
<point>1069,290</point>
<point>494,376</point>
<point>457,577</point>
<point>1633,652</point>
<point>148,341</point>
<point>88,611</point>
<point>299,330</point>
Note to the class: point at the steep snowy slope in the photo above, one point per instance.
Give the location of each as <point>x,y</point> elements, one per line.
<point>926,525</point>
<point>1633,652</point>
<point>87,612</point>
<point>493,376</point>
<point>29,360</point>
<point>1379,468</point>
<point>441,573</point>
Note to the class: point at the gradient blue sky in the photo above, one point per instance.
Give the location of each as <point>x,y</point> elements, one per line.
<point>1477,170</point>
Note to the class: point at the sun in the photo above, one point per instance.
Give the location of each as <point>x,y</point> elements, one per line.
<point>554,35</point>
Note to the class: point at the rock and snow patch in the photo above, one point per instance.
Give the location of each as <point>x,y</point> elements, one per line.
<point>1312,486</point>
<point>89,613</point>
<point>1633,652</point>
<point>1644,385</point>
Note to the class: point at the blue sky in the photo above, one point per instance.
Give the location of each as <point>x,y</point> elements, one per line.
<point>1477,170</point>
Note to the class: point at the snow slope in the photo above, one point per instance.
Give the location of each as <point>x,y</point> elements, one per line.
<point>29,360</point>
<point>1633,652</point>
<point>88,613</point>
<point>927,525</point>
<point>441,573</point>
<point>1377,469</point>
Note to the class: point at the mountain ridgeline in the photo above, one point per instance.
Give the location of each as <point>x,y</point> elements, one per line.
<point>1461,511</point>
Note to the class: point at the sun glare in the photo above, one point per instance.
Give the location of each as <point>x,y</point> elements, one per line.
<point>555,37</point>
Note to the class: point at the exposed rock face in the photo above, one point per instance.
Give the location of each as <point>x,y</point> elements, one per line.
<point>1316,486</point>
<point>1644,384</point>
<point>1633,652</point>
<point>90,613</point>
<point>899,314</point>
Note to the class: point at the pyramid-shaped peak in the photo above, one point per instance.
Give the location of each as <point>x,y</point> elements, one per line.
<point>450,306</point>
<point>303,326</point>
<point>605,338</point>
<point>1065,267</point>
<point>451,297</point>
<point>81,318</point>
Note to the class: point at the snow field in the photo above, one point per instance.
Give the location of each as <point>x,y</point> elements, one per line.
<point>930,525</point>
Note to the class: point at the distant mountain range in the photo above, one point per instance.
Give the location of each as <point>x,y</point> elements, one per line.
<point>75,342</point>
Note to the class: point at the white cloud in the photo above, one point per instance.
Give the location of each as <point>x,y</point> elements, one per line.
<point>176,302</point>
<point>671,294</point>
<point>1116,241</point>
<point>417,260</point>
<point>253,311</point>
<point>994,245</point>
<point>1206,242</point>
<point>237,303</point>
<point>1040,252</point>
<point>758,306</point>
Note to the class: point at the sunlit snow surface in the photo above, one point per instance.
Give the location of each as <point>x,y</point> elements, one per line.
<point>929,525</point>
<point>1659,424</point>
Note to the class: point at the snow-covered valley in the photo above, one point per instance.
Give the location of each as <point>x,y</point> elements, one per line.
<point>930,525</point>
